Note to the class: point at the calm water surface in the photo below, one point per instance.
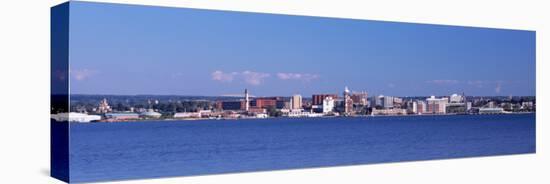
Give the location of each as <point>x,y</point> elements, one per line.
<point>131,150</point>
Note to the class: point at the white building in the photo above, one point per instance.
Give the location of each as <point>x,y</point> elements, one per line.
<point>421,107</point>
<point>455,98</point>
<point>75,117</point>
<point>412,107</point>
<point>296,114</point>
<point>387,101</point>
<point>436,105</point>
<point>491,110</point>
<point>328,104</point>
<point>395,111</point>
<point>150,113</point>
<point>296,102</point>
<point>187,115</point>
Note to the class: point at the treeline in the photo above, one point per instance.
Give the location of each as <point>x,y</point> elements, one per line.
<point>165,104</point>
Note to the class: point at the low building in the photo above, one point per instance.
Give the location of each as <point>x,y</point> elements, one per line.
<point>123,116</point>
<point>150,114</point>
<point>181,115</point>
<point>75,117</point>
<point>395,111</point>
<point>296,114</point>
<point>491,110</point>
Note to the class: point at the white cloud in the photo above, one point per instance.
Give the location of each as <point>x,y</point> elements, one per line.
<point>254,78</point>
<point>81,74</point>
<point>297,76</point>
<point>250,77</point>
<point>223,77</point>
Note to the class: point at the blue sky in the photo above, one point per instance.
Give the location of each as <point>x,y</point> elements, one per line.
<point>122,49</point>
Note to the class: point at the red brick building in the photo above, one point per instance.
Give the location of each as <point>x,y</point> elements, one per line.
<point>317,99</point>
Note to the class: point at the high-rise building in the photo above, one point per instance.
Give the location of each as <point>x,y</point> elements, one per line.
<point>412,107</point>
<point>359,98</point>
<point>348,102</point>
<point>246,100</point>
<point>385,102</point>
<point>420,107</point>
<point>296,102</point>
<point>328,104</point>
<point>317,99</point>
<point>436,105</point>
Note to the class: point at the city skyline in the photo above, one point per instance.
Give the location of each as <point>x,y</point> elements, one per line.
<point>162,51</point>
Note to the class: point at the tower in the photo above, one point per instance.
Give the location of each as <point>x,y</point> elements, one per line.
<point>246,100</point>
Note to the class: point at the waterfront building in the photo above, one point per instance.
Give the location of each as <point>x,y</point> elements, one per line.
<point>121,116</point>
<point>230,105</point>
<point>296,102</point>
<point>317,99</point>
<point>75,117</point>
<point>436,105</point>
<point>491,110</point>
<point>150,113</point>
<point>266,102</point>
<point>420,107</point>
<point>455,98</point>
<point>412,107</point>
<point>187,115</point>
<point>385,102</point>
<point>328,104</point>
<point>395,111</point>
<point>296,114</point>
<point>348,102</point>
<point>359,98</point>
<point>527,105</point>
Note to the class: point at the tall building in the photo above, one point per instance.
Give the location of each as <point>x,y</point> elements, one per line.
<point>328,104</point>
<point>412,107</point>
<point>246,100</point>
<point>348,102</point>
<point>420,107</point>
<point>296,102</point>
<point>436,105</point>
<point>385,102</point>
<point>317,99</point>
<point>359,98</point>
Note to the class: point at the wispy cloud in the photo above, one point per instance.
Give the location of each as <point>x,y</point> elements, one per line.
<point>477,83</point>
<point>443,82</point>
<point>498,87</point>
<point>306,77</point>
<point>81,74</point>
<point>223,77</point>
<point>254,78</point>
<point>250,77</point>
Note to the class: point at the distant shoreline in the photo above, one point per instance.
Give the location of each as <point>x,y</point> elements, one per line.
<point>322,117</point>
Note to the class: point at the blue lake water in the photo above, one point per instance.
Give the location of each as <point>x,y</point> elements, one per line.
<point>131,150</point>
